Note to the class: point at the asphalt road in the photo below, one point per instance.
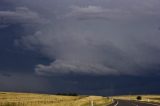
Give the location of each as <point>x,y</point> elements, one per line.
<point>131,103</point>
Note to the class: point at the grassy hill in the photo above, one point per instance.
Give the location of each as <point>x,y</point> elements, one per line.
<point>30,99</point>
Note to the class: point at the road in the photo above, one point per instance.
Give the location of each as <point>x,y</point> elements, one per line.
<point>131,103</point>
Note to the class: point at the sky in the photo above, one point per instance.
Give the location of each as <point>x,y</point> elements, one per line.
<point>95,47</point>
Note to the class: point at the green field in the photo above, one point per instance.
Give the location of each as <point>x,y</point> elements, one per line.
<point>30,99</point>
<point>145,98</point>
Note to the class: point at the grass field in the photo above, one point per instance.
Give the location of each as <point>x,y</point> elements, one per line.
<point>145,98</point>
<point>29,99</point>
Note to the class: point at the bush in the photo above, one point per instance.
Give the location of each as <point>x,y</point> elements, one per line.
<point>139,98</point>
<point>67,94</point>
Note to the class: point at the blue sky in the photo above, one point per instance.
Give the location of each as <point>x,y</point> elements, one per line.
<point>101,47</point>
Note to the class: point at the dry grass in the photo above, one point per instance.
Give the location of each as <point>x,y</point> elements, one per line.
<point>29,99</point>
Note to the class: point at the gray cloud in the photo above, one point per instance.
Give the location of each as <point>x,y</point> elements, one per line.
<point>97,12</point>
<point>3,26</point>
<point>63,67</point>
<point>21,15</point>
<point>23,82</point>
<point>128,45</point>
<point>128,10</point>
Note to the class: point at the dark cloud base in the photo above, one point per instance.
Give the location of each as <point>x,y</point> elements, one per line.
<point>90,85</point>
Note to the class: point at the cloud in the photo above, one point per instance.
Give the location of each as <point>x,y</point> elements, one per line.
<point>63,67</point>
<point>3,26</point>
<point>23,82</point>
<point>21,15</point>
<point>99,12</point>
<point>127,43</point>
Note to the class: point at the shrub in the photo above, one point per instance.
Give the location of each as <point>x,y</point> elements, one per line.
<point>139,98</point>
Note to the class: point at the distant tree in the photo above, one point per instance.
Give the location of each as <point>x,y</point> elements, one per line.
<point>139,98</point>
<point>67,94</point>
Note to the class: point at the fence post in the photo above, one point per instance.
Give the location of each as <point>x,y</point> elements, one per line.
<point>91,102</point>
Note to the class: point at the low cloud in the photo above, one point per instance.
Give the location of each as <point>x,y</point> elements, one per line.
<point>64,67</point>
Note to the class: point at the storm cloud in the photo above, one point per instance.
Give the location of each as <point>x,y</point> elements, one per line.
<point>118,37</point>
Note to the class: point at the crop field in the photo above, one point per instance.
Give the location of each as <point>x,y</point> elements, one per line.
<point>29,99</point>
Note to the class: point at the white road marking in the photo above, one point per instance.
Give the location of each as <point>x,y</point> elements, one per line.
<point>134,104</point>
<point>116,104</point>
